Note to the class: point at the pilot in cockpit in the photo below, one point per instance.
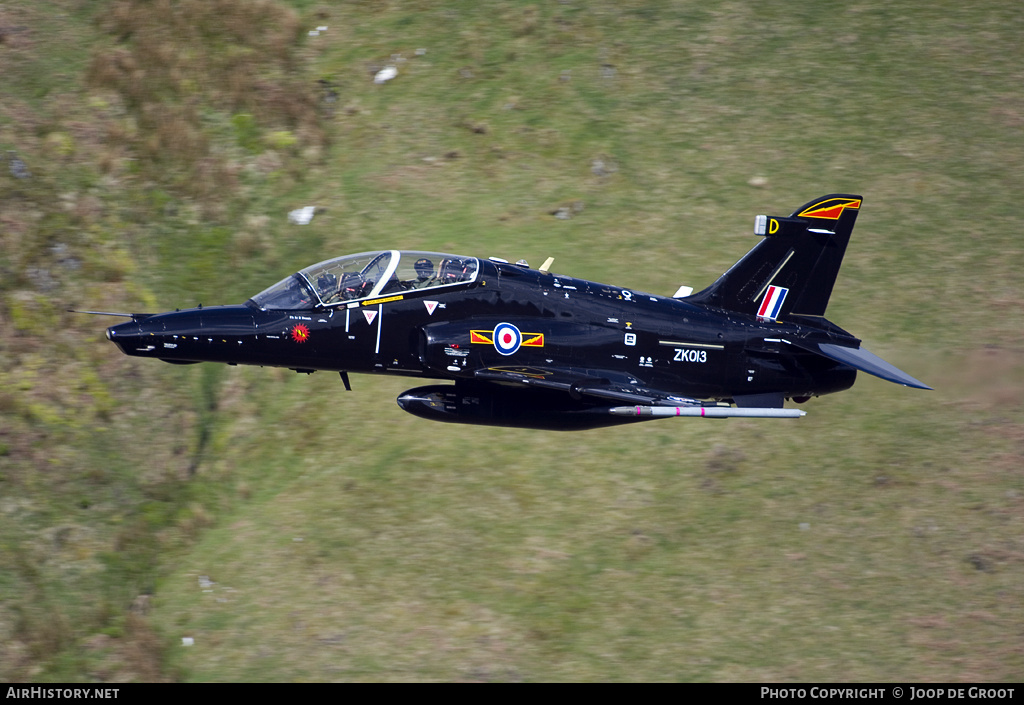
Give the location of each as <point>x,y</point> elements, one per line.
<point>425,276</point>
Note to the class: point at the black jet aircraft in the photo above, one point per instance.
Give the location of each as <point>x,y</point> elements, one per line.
<point>524,347</point>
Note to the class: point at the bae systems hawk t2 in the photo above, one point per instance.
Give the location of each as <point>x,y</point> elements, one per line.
<point>516,346</point>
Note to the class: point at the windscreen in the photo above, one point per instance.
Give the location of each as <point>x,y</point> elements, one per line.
<point>291,293</point>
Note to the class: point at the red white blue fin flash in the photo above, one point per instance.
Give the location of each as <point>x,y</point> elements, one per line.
<point>772,304</point>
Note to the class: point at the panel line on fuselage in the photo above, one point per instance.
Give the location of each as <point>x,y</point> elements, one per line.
<point>681,344</point>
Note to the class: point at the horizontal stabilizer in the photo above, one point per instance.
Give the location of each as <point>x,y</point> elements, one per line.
<point>864,361</point>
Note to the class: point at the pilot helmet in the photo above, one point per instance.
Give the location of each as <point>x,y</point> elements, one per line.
<point>424,268</point>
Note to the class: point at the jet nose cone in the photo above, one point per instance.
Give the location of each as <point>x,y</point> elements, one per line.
<point>124,335</point>
<point>140,336</point>
<point>122,330</point>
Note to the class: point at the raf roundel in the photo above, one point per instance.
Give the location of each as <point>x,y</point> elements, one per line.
<point>507,338</point>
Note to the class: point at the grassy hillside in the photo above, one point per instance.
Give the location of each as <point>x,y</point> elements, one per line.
<point>299,532</point>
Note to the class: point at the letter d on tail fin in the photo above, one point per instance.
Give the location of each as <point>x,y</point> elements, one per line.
<point>801,254</point>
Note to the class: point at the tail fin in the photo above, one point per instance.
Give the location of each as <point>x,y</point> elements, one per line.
<point>793,270</point>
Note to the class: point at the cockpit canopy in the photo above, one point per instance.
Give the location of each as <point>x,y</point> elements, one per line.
<point>365,275</point>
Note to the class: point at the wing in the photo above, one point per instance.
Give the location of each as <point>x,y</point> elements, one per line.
<point>599,384</point>
<point>644,402</point>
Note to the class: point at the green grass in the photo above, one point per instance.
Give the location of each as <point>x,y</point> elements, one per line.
<point>728,552</point>
<point>878,538</point>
